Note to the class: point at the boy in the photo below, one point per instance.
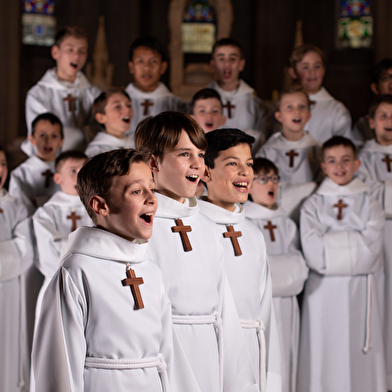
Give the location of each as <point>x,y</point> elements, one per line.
<point>206,109</point>
<point>16,257</point>
<point>32,181</point>
<point>228,177</point>
<point>288,267</point>
<point>147,62</point>
<point>376,158</point>
<point>113,110</point>
<point>244,109</point>
<point>106,322</point>
<point>186,246</point>
<point>64,90</point>
<point>329,116</point>
<point>341,345</point>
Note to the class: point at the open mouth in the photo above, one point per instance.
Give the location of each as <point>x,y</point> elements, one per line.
<point>74,65</point>
<point>226,74</point>
<point>388,129</point>
<point>126,120</point>
<point>209,125</point>
<point>192,177</point>
<point>48,150</point>
<point>271,193</point>
<point>297,120</point>
<point>147,217</point>
<point>241,185</point>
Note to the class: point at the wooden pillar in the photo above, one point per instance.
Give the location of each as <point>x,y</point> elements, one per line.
<point>382,29</point>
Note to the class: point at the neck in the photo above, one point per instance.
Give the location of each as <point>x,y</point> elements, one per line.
<point>172,195</point>
<point>229,86</point>
<point>293,136</point>
<point>117,134</point>
<point>67,78</point>
<point>314,91</point>
<point>226,205</point>
<point>146,89</point>
<point>383,142</point>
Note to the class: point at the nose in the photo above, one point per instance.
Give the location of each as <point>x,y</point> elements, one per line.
<point>151,198</point>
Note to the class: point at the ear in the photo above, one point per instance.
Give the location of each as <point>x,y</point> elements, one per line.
<point>323,167</point>
<point>100,118</point>
<point>130,67</point>
<point>374,89</point>
<point>206,177</point>
<point>278,116</point>
<point>163,67</point>
<point>371,123</point>
<point>223,120</point>
<point>292,73</point>
<point>54,51</point>
<point>99,205</point>
<point>242,64</point>
<point>32,140</point>
<point>357,163</point>
<point>153,164</point>
<point>57,178</point>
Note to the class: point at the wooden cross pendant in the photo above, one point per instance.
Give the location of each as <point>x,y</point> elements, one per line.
<point>388,161</point>
<point>74,218</point>
<point>147,103</point>
<point>70,99</point>
<point>1,211</point>
<point>229,106</point>
<point>230,233</point>
<point>48,174</point>
<point>291,154</point>
<point>269,226</point>
<point>183,230</point>
<point>134,283</point>
<point>340,205</point>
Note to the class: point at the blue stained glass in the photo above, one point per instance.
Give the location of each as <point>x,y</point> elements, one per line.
<point>199,11</point>
<point>354,8</point>
<point>41,7</point>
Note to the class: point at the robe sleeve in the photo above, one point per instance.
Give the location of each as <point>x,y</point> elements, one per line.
<point>34,106</point>
<point>342,121</point>
<point>17,192</point>
<point>388,199</point>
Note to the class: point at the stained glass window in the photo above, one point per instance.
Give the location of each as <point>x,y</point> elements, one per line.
<point>198,27</point>
<point>39,22</point>
<point>355,24</point>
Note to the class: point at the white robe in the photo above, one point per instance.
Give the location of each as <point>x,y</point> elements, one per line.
<point>16,257</point>
<point>250,280</point>
<point>104,142</point>
<point>88,321</point>
<point>162,100</point>
<point>48,96</point>
<point>197,286</point>
<point>28,184</point>
<point>341,346</point>
<point>289,273</point>
<point>329,117</point>
<point>375,169</point>
<point>249,113</point>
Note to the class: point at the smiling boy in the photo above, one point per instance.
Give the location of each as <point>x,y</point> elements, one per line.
<point>64,90</point>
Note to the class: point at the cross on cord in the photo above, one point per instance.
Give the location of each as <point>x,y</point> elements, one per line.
<point>291,154</point>
<point>229,106</point>
<point>388,161</point>
<point>230,233</point>
<point>269,226</point>
<point>1,211</point>
<point>340,205</point>
<point>146,104</point>
<point>74,218</point>
<point>134,283</point>
<point>183,230</point>
<point>48,174</point>
<point>70,99</point>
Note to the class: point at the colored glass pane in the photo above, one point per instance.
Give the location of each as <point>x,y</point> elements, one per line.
<point>46,7</point>
<point>199,11</point>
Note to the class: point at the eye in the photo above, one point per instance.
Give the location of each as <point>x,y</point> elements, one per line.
<point>137,192</point>
<point>184,154</point>
<point>232,164</point>
<point>153,190</point>
<point>249,164</point>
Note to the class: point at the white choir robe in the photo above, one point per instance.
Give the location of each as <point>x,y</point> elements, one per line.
<point>289,273</point>
<point>362,131</point>
<point>329,117</point>
<point>29,184</point>
<point>49,95</point>
<point>197,287</point>
<point>341,345</point>
<point>16,257</point>
<point>89,331</point>
<point>247,113</point>
<point>250,281</point>
<point>151,103</point>
<point>103,142</point>
<point>374,166</point>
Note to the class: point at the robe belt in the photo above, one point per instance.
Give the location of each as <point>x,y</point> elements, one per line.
<point>214,319</point>
<point>369,307</point>
<point>260,330</point>
<point>125,364</point>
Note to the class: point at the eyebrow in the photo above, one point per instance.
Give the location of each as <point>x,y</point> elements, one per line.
<point>230,54</point>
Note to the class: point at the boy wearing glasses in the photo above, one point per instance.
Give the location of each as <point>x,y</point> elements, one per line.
<point>288,267</point>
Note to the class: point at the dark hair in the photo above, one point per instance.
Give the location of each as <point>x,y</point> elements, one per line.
<point>101,101</point>
<point>205,93</point>
<point>377,101</point>
<point>299,52</point>
<point>264,165</point>
<point>227,42</point>
<point>66,155</point>
<point>97,174</point>
<point>70,31</point>
<point>223,139</point>
<point>383,65</point>
<point>160,134</point>
<point>149,42</point>
<point>336,141</point>
<point>52,118</point>
<point>292,90</point>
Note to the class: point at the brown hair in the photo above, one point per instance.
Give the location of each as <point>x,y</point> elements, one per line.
<point>299,52</point>
<point>70,31</point>
<point>101,101</point>
<point>336,141</point>
<point>67,155</point>
<point>292,90</point>
<point>227,42</point>
<point>264,165</point>
<point>386,98</point>
<point>160,134</point>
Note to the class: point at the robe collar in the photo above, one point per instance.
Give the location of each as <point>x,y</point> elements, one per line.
<point>172,209</point>
<point>242,89</point>
<point>102,244</point>
<point>63,199</point>
<point>279,142</point>
<point>374,146</point>
<point>159,92</point>
<point>51,80</point>
<point>220,215</point>
<point>104,139</point>
<point>330,188</point>
<point>257,211</point>
<point>321,95</point>
<point>36,162</point>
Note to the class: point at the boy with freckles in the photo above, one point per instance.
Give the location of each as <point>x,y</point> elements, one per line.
<point>229,176</point>
<point>187,247</point>
<point>341,345</point>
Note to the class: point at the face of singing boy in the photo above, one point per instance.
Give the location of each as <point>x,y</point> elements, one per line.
<point>3,169</point>
<point>208,114</point>
<point>70,57</point>
<point>382,123</point>
<point>309,72</point>
<point>384,84</point>
<point>146,67</point>
<point>117,117</point>
<point>293,114</point>
<point>340,164</point>
<point>47,138</point>
<point>230,180</point>
<point>179,171</point>
<point>66,177</point>
<point>265,188</point>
